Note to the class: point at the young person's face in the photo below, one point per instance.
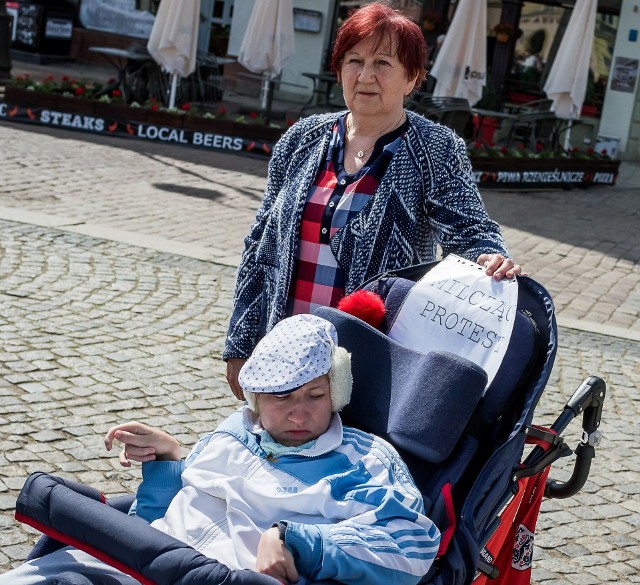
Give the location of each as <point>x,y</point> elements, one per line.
<point>300,416</point>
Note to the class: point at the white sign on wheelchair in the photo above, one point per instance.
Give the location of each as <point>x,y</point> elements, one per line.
<point>456,307</point>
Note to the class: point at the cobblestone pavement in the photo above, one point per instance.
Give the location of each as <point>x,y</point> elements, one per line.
<point>584,245</point>
<point>95,330</point>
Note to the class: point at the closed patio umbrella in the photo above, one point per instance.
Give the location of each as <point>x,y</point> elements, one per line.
<point>461,64</point>
<point>268,43</point>
<point>173,39</point>
<point>566,84</point>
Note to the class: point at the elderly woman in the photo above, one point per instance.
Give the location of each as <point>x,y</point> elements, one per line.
<point>352,194</point>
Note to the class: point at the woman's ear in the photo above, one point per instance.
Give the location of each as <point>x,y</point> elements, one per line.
<point>411,84</point>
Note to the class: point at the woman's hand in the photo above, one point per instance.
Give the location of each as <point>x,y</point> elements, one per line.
<point>142,443</point>
<point>233,369</point>
<point>499,266</point>
<point>274,558</point>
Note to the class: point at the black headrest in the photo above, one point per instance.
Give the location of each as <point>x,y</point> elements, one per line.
<point>418,402</point>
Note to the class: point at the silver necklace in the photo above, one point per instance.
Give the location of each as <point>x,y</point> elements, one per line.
<point>360,153</point>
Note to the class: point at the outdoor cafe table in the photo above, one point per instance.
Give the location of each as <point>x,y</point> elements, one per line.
<point>126,62</point>
<point>139,76</point>
<point>329,80</point>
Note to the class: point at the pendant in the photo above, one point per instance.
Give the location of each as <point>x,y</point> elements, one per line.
<point>360,153</point>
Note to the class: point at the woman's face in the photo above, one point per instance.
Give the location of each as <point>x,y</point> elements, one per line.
<point>300,416</point>
<point>374,83</point>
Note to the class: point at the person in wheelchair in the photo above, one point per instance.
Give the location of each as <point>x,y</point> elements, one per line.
<point>280,486</point>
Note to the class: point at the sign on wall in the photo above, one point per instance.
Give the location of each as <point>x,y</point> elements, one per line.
<point>116,16</point>
<point>624,75</point>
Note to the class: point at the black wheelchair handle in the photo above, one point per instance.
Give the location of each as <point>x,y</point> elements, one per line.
<point>584,455</point>
<point>589,399</point>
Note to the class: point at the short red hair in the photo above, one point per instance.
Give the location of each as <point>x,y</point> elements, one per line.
<point>391,28</point>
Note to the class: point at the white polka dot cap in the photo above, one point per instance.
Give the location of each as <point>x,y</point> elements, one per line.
<point>297,350</point>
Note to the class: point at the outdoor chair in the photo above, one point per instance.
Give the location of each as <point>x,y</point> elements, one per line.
<point>534,128</point>
<point>455,113</point>
<point>539,105</point>
<point>148,80</point>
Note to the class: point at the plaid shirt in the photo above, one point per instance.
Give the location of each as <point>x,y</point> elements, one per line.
<point>334,198</point>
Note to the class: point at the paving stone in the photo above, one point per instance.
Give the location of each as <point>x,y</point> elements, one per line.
<point>7,502</point>
<point>573,550</point>
<point>583,579</point>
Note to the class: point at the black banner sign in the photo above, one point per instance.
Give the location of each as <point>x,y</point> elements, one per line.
<point>128,129</point>
<point>488,173</point>
<point>540,178</point>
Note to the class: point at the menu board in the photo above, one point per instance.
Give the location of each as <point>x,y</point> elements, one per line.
<point>27,24</point>
<point>307,20</point>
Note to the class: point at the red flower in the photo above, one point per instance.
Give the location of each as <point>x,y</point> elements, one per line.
<point>49,78</point>
<point>477,144</point>
<point>504,150</point>
<point>79,90</point>
<point>116,93</point>
<point>185,107</point>
<point>290,122</point>
<point>590,150</point>
<point>253,115</point>
<point>604,152</point>
<point>154,106</point>
<point>222,110</point>
<point>539,147</point>
<point>65,78</point>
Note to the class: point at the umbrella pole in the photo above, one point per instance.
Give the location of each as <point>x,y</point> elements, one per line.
<point>266,97</point>
<point>174,86</point>
<point>567,136</point>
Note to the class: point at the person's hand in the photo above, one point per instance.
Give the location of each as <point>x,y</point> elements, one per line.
<point>142,443</point>
<point>233,369</point>
<point>499,266</point>
<point>274,558</point>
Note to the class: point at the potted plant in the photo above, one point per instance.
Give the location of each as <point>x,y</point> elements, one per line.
<point>26,97</point>
<point>503,32</point>
<point>543,167</point>
<point>216,122</point>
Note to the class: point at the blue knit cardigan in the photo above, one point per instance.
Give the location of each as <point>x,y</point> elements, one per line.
<point>426,197</point>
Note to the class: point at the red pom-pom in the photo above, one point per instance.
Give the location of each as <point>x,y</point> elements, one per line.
<point>365,305</point>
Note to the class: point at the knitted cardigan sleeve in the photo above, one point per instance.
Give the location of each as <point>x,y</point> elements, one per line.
<point>454,206</point>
